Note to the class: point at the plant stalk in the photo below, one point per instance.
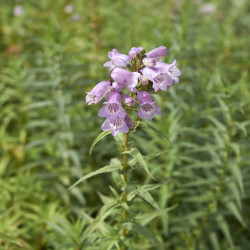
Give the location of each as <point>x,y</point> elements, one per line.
<point>124,180</point>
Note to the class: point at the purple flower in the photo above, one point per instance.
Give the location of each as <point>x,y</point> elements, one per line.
<point>18,10</point>
<point>117,60</point>
<point>125,78</point>
<point>161,80</point>
<point>134,52</point>
<point>157,53</point>
<point>171,69</point>
<point>174,72</point>
<point>98,92</point>
<point>119,124</point>
<point>128,100</point>
<point>163,75</point>
<point>148,108</point>
<point>112,108</point>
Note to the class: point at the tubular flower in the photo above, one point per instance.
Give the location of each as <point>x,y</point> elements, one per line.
<point>125,78</point>
<point>160,80</point>
<point>174,72</point>
<point>119,124</point>
<point>157,53</point>
<point>117,60</point>
<point>112,108</point>
<point>134,52</point>
<point>128,100</point>
<point>98,92</point>
<point>148,108</point>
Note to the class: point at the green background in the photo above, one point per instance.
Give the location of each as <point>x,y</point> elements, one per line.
<point>198,148</point>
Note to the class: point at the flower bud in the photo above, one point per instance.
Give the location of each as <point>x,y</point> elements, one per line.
<point>128,100</point>
<point>134,51</point>
<point>143,80</point>
<point>149,62</point>
<point>157,53</point>
<point>117,60</point>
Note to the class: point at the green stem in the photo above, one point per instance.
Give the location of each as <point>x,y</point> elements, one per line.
<point>124,180</point>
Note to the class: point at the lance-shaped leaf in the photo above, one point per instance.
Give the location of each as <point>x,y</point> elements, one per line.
<point>144,194</point>
<point>12,240</point>
<point>97,139</point>
<point>139,159</point>
<point>147,234</point>
<point>106,169</point>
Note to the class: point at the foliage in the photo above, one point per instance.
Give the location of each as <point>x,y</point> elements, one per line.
<point>197,151</point>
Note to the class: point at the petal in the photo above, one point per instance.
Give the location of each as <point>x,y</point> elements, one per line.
<point>107,64</point>
<point>106,125</point>
<point>103,112</point>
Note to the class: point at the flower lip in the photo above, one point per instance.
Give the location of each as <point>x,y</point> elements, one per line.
<point>162,81</point>
<point>163,75</point>
<point>119,124</point>
<point>112,108</point>
<point>148,109</point>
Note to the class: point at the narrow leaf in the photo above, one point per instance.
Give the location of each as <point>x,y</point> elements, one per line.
<point>139,158</point>
<point>232,207</point>
<point>10,239</point>
<point>146,233</point>
<point>106,169</point>
<point>144,194</point>
<point>97,139</point>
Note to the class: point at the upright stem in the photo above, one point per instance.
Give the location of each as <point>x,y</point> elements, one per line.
<point>124,180</point>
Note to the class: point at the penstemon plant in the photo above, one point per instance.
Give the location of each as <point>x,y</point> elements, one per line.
<point>133,78</point>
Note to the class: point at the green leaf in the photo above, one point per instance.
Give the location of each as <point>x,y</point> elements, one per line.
<point>147,234</point>
<point>225,229</point>
<point>119,139</point>
<point>144,194</point>
<point>139,158</point>
<point>234,190</point>
<point>232,207</point>
<point>105,211</point>
<point>214,240</point>
<point>98,138</point>
<point>146,218</point>
<point>237,174</point>
<point>10,239</point>
<point>106,169</point>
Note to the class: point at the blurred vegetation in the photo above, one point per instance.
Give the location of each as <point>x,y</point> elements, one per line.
<point>198,148</point>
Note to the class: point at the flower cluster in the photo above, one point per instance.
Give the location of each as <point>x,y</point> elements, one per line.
<point>132,78</point>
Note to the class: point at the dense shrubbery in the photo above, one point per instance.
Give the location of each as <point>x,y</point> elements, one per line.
<point>198,150</point>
